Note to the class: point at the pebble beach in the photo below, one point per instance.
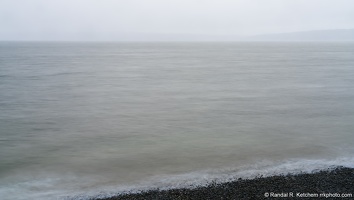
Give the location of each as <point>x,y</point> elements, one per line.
<point>335,183</point>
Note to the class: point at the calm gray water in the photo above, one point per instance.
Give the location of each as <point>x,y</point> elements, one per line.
<point>99,118</point>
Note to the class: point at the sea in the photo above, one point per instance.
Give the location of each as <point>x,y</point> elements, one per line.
<point>95,119</point>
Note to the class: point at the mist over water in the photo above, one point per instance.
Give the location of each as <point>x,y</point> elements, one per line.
<point>80,118</point>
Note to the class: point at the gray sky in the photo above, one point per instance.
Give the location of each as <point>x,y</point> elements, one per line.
<point>141,19</point>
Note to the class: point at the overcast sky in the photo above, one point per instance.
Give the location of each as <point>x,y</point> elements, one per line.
<point>127,19</point>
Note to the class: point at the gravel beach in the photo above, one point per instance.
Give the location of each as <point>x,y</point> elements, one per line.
<point>330,184</point>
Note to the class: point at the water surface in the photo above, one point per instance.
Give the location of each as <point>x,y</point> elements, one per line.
<point>84,118</point>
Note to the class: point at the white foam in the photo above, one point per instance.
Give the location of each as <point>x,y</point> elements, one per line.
<point>205,177</point>
<point>50,188</point>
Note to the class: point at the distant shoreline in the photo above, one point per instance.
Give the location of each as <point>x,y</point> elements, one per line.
<point>326,184</point>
